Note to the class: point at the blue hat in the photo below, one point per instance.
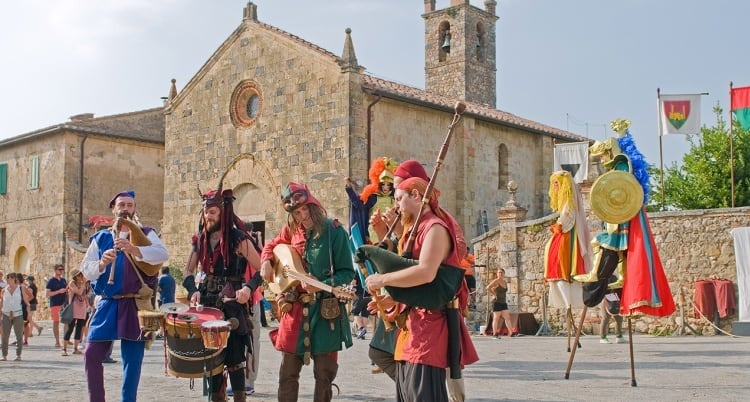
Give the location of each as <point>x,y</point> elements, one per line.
<point>126,193</point>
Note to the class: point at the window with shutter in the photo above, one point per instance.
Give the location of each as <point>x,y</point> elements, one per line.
<point>3,178</point>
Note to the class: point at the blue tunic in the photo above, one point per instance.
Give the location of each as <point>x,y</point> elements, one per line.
<point>116,318</point>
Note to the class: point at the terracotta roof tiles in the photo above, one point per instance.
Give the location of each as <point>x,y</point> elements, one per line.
<point>406,93</point>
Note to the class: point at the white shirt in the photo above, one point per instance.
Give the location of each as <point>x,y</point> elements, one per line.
<point>154,254</point>
<point>12,301</point>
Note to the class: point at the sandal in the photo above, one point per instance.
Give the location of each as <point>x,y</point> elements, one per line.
<point>18,358</point>
<point>39,331</point>
<point>77,352</point>
<point>64,353</point>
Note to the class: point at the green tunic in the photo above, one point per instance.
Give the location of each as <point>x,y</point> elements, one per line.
<point>328,336</point>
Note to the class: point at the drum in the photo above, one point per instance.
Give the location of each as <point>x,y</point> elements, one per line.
<point>187,356</point>
<point>215,334</point>
<point>150,320</point>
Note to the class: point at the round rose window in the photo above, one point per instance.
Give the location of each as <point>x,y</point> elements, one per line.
<point>245,105</point>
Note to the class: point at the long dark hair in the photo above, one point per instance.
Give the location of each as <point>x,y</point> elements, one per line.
<point>318,216</point>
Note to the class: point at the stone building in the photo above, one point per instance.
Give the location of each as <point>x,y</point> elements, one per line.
<point>268,107</point>
<point>53,179</point>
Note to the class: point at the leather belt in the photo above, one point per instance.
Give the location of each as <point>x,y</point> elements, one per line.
<point>123,296</point>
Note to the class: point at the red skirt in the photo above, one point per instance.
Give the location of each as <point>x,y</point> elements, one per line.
<point>563,257</point>
<point>646,288</point>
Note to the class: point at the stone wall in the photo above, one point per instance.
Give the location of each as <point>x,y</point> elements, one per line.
<point>469,177</point>
<point>692,245</point>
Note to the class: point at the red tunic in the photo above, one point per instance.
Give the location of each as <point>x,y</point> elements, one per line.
<point>425,340</point>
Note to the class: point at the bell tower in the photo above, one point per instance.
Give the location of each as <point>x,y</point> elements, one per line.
<point>460,51</point>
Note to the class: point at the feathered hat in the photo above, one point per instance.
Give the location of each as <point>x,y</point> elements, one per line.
<point>381,171</point>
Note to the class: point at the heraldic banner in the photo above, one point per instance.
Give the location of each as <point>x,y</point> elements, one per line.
<point>680,114</point>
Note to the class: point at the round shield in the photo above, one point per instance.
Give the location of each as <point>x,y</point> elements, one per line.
<point>616,197</point>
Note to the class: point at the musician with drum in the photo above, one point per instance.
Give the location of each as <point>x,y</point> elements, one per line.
<point>118,269</point>
<point>315,324</point>
<point>225,250</point>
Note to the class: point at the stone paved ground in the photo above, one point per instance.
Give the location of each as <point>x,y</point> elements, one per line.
<point>527,368</point>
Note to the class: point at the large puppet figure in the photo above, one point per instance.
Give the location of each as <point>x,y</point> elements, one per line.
<point>568,252</point>
<point>645,289</point>
<point>618,198</point>
<point>376,195</point>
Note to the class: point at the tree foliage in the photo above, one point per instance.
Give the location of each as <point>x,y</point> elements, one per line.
<point>703,180</point>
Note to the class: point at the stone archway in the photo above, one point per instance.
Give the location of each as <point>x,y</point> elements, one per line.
<point>22,260</point>
<point>22,248</point>
<point>255,190</point>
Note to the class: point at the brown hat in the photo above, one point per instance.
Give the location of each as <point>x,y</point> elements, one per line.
<point>75,272</point>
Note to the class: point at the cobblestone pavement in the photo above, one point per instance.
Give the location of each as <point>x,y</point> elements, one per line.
<point>527,368</point>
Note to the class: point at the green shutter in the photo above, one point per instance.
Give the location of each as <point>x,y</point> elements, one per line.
<point>3,178</point>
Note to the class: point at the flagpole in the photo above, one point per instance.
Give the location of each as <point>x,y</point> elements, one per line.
<point>661,157</point>
<point>731,141</point>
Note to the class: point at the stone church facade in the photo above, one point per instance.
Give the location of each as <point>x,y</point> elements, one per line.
<point>276,108</point>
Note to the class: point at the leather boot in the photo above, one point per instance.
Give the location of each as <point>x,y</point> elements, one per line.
<point>239,396</point>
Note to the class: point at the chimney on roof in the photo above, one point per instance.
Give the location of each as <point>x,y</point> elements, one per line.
<point>250,12</point>
<point>429,6</point>
<point>81,117</point>
<point>458,2</point>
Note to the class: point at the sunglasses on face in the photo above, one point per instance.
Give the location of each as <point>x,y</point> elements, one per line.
<point>294,200</point>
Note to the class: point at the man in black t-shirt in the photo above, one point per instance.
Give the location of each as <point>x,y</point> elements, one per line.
<point>57,288</point>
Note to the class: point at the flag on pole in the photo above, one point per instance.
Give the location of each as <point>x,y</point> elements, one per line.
<point>741,106</point>
<point>680,114</point>
<point>573,157</point>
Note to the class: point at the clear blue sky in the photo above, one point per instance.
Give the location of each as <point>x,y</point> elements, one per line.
<point>574,65</point>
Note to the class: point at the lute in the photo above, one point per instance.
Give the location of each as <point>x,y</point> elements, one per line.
<point>342,293</point>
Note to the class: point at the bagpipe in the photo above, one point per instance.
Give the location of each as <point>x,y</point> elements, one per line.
<point>431,296</point>
<point>442,289</point>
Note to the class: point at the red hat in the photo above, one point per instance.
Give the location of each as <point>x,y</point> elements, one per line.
<point>411,168</point>
<point>296,195</point>
<point>215,198</point>
<point>126,193</point>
